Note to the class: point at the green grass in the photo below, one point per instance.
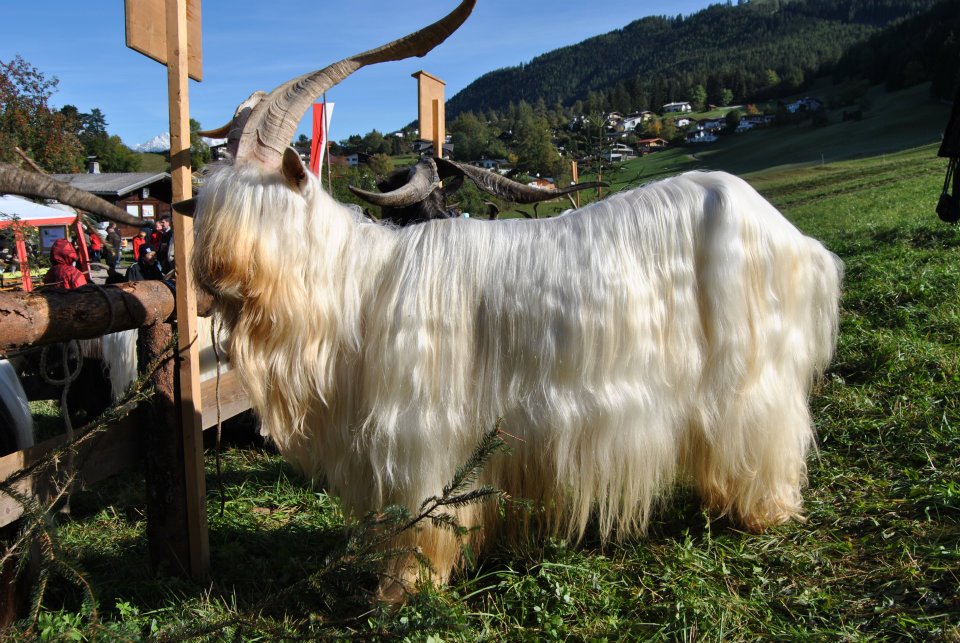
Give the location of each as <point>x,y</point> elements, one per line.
<point>878,557</point>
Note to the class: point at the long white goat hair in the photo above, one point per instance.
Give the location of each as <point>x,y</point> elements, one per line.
<point>669,332</point>
<point>118,351</point>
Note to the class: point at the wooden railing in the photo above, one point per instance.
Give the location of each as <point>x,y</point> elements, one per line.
<point>39,318</point>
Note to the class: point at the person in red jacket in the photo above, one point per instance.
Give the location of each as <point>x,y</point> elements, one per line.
<point>139,241</point>
<point>96,246</point>
<point>62,273</point>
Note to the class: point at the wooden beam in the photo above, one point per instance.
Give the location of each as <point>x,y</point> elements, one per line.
<point>121,446</point>
<point>48,316</point>
<point>189,397</point>
<point>116,450</point>
<point>230,399</point>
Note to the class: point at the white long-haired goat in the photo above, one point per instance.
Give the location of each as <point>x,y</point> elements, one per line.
<point>670,332</point>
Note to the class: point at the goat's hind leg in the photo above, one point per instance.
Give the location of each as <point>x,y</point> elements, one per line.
<point>407,568</point>
<point>751,465</point>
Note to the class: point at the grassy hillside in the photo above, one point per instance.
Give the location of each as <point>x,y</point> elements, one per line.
<point>895,121</point>
<point>150,162</point>
<point>878,557</point>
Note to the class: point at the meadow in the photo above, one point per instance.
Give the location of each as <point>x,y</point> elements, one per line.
<point>877,558</point>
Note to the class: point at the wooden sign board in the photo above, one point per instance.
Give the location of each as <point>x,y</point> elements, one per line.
<point>431,110</point>
<point>147,32</point>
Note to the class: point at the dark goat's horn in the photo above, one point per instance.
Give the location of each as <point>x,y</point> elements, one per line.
<point>503,187</point>
<point>423,179</point>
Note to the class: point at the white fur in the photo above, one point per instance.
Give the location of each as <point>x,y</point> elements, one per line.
<point>120,360</point>
<point>119,354</point>
<point>670,332</point>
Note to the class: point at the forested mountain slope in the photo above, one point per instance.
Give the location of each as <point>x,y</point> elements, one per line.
<point>755,49</point>
<point>922,48</point>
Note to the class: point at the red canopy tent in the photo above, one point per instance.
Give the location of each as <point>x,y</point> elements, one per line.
<point>18,213</point>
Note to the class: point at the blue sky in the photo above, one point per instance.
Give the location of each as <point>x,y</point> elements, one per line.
<point>259,44</point>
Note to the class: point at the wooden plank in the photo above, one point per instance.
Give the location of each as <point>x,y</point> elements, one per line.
<point>119,449</point>
<point>146,25</point>
<point>232,398</point>
<point>116,450</point>
<point>189,397</point>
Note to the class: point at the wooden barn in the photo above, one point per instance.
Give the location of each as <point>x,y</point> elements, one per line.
<point>146,195</point>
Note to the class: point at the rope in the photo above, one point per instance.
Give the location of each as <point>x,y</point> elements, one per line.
<point>214,339</point>
<point>70,351</point>
<point>68,378</point>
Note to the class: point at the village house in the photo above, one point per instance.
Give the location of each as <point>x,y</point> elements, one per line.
<point>711,124</point>
<point>544,183</point>
<point>614,120</point>
<point>701,136</point>
<point>677,107</point>
<point>490,164</point>
<point>146,195</point>
<point>805,105</point>
<point>760,120</point>
<point>633,121</point>
<point>647,145</point>
<point>619,152</point>
<point>355,159</point>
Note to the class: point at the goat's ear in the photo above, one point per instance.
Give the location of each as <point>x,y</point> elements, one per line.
<point>187,207</point>
<point>293,169</point>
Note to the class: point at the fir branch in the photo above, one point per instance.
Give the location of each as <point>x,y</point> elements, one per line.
<point>367,544</point>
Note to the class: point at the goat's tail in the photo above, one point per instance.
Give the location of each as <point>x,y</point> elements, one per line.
<point>770,316</point>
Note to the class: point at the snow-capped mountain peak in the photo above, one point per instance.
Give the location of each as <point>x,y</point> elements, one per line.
<point>159,143</point>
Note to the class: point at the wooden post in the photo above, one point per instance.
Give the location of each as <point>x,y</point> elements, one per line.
<point>439,131</point>
<point>168,525</point>
<point>575,175</point>
<point>188,367</point>
<point>431,110</point>
<point>83,254</point>
<point>22,259</point>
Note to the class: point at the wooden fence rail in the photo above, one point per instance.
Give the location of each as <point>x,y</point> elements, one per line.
<point>150,440</point>
<point>48,316</point>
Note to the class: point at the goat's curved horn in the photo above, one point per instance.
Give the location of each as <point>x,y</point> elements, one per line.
<point>13,180</point>
<point>423,179</point>
<point>220,132</point>
<point>271,125</point>
<point>503,187</point>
